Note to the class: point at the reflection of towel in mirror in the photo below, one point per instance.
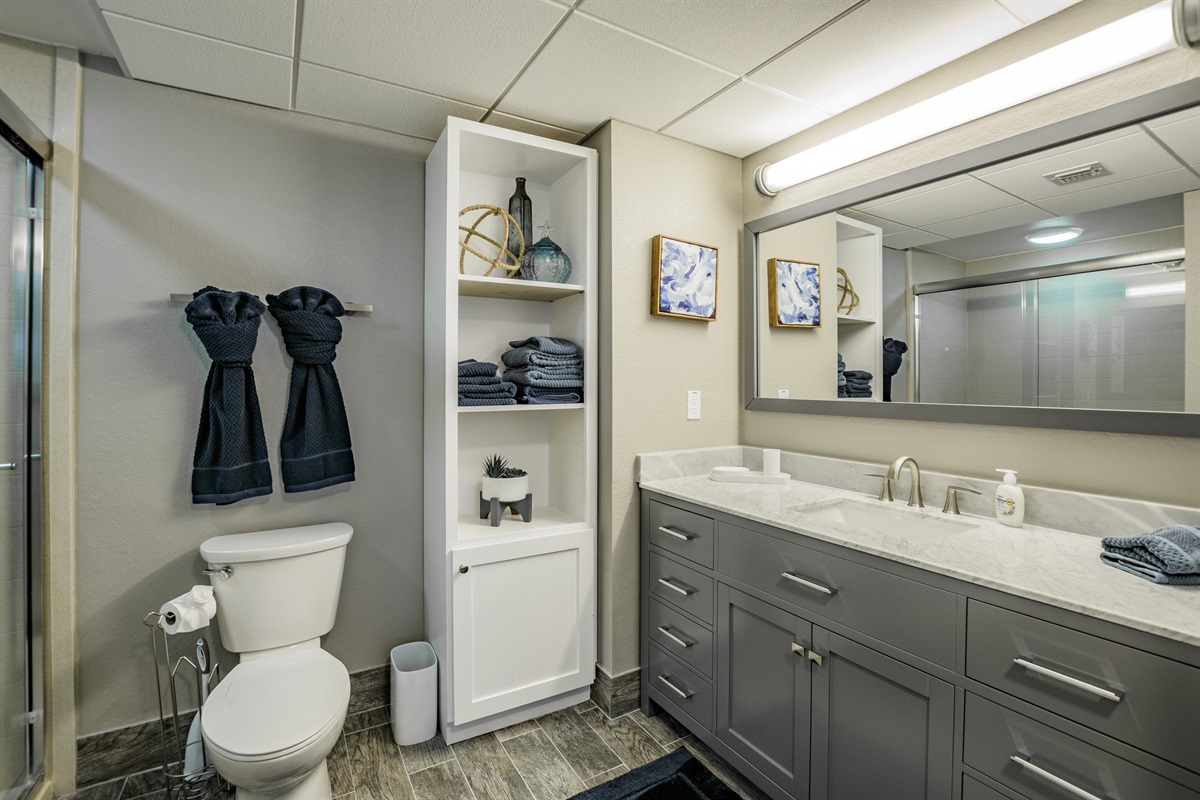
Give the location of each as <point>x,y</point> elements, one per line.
<point>230,461</point>
<point>1170,554</point>
<point>893,355</point>
<point>314,450</point>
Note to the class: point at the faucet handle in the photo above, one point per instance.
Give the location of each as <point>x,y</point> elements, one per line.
<point>951,504</point>
<point>885,491</point>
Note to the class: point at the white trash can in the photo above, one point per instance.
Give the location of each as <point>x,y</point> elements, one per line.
<point>414,693</point>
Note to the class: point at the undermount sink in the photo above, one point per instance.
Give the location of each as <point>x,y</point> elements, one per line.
<point>894,522</point>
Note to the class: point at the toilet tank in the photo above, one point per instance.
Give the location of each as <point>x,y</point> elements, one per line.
<point>283,585</point>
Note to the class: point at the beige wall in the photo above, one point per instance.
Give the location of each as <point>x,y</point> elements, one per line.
<point>27,77</point>
<point>1165,469</point>
<point>650,184</point>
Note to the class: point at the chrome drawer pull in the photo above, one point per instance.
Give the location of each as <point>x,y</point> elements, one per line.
<point>667,583</point>
<point>674,688</point>
<point>1100,691</point>
<point>1050,776</point>
<point>665,631</point>
<point>687,537</point>
<point>796,579</point>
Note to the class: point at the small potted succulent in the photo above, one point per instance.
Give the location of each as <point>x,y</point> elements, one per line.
<point>503,482</point>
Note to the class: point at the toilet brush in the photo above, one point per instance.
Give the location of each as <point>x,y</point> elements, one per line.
<point>195,758</point>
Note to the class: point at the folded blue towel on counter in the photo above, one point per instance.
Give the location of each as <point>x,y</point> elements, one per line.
<point>1172,549</point>
<point>470,367</point>
<point>526,356</point>
<point>1144,570</point>
<point>486,401</point>
<point>552,345</point>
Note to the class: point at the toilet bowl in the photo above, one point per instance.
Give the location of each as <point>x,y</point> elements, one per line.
<point>270,723</point>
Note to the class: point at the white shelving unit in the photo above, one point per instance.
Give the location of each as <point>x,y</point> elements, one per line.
<point>860,341</point>
<point>510,610</point>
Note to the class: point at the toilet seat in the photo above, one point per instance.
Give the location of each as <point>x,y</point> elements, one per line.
<point>268,708</point>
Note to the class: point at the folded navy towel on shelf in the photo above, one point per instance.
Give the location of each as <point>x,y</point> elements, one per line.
<point>842,392</point>
<point>479,380</point>
<point>486,401</point>
<point>857,374</point>
<point>471,367</point>
<point>502,389</point>
<point>1170,551</point>
<point>531,356</point>
<point>552,345</point>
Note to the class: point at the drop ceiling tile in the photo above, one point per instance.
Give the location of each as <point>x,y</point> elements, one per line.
<point>1128,156</point>
<point>1033,10</point>
<point>446,47</point>
<point>721,123</point>
<point>879,46</point>
<point>264,24</point>
<point>1141,188</point>
<point>536,128</point>
<point>1181,133</point>
<point>200,64</point>
<point>910,238</point>
<point>968,225</point>
<point>708,31</point>
<point>69,24</point>
<point>958,198</point>
<point>879,222</point>
<point>352,98</point>
<point>591,71</point>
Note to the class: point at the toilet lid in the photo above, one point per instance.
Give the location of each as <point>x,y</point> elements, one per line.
<point>275,704</point>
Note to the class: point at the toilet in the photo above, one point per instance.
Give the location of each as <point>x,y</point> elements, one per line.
<point>269,724</point>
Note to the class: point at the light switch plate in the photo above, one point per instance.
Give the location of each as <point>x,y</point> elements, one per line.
<point>693,405</point>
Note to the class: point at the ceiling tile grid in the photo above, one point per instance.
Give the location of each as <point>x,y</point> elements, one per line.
<point>164,55</point>
<point>263,24</point>
<point>1181,133</point>
<point>951,200</point>
<point>718,123</point>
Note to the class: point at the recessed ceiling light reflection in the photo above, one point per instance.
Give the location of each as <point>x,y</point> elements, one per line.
<point>1155,289</point>
<point>1053,235</point>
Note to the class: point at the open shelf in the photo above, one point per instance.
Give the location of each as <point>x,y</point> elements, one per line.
<point>514,288</point>
<point>519,408</point>
<point>546,520</point>
<point>845,319</point>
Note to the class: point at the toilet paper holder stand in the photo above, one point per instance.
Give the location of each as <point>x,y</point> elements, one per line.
<point>188,773</point>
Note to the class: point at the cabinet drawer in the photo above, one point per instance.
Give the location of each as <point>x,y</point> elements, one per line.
<point>1151,702</point>
<point>974,790</point>
<point>909,615</point>
<point>682,587</point>
<point>684,533</point>
<point>680,687</point>
<point>681,636</point>
<point>1040,762</point>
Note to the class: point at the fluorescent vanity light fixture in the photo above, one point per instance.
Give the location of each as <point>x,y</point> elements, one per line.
<point>1155,289</point>
<point>1053,235</point>
<point>1128,40</point>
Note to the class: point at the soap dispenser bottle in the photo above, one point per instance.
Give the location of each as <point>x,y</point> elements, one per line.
<point>1010,500</point>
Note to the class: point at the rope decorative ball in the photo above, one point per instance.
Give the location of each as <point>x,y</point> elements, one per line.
<point>496,262</point>
<point>845,306</point>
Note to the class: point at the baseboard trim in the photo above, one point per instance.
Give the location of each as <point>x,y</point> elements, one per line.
<point>617,695</point>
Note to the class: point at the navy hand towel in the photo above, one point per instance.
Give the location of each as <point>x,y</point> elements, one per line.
<point>315,447</point>
<point>230,462</point>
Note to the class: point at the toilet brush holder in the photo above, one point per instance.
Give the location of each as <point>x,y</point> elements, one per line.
<point>189,773</point>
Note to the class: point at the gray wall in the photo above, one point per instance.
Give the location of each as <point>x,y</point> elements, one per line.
<point>943,341</point>
<point>180,190</point>
<point>895,316</point>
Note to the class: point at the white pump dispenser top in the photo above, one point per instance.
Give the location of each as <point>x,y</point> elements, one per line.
<point>1010,476</point>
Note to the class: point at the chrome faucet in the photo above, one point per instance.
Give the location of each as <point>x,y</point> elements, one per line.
<point>893,473</point>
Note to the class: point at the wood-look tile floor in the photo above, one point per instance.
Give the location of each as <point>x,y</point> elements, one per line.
<point>551,758</point>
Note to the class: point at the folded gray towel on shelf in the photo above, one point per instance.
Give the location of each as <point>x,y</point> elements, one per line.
<point>859,374</point>
<point>534,395</point>
<point>472,367</point>
<point>526,356</point>
<point>1173,549</point>
<point>502,389</point>
<point>486,401</point>
<point>478,380</point>
<point>1148,571</point>
<point>535,376</point>
<point>549,344</point>
<point>553,399</point>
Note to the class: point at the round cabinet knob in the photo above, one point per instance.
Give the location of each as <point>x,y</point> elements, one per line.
<point>464,569</point>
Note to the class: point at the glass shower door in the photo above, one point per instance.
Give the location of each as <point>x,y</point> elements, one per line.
<point>20,475</point>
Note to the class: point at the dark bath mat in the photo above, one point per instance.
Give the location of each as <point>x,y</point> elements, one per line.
<point>677,776</point>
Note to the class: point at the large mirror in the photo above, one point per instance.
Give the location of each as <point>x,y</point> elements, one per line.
<point>1041,281</point>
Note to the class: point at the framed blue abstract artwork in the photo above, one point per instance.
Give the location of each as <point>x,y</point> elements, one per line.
<point>794,293</point>
<point>685,279</point>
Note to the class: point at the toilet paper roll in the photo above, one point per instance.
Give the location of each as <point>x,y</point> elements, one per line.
<point>183,615</point>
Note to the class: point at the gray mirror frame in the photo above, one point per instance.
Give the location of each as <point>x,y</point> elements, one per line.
<point>1152,423</point>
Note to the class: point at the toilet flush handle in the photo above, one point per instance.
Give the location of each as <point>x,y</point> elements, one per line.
<point>224,572</point>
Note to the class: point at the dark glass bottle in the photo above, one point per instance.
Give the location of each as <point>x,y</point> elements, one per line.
<point>520,208</point>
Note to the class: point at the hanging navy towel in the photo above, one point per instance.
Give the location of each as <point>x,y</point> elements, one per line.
<point>315,448</point>
<point>230,462</point>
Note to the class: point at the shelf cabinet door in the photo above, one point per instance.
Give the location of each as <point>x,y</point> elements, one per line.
<point>524,622</point>
<point>880,728</point>
<point>763,696</point>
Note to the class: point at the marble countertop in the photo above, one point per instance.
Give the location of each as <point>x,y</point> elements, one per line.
<point>1051,566</point>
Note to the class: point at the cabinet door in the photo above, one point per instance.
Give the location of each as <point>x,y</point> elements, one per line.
<point>524,623</point>
<point>763,695</point>
<point>880,728</point>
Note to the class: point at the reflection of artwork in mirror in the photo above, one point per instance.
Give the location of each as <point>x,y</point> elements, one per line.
<point>794,293</point>
<point>685,279</point>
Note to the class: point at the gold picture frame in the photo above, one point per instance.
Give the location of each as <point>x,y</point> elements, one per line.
<point>794,293</point>
<point>684,279</point>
